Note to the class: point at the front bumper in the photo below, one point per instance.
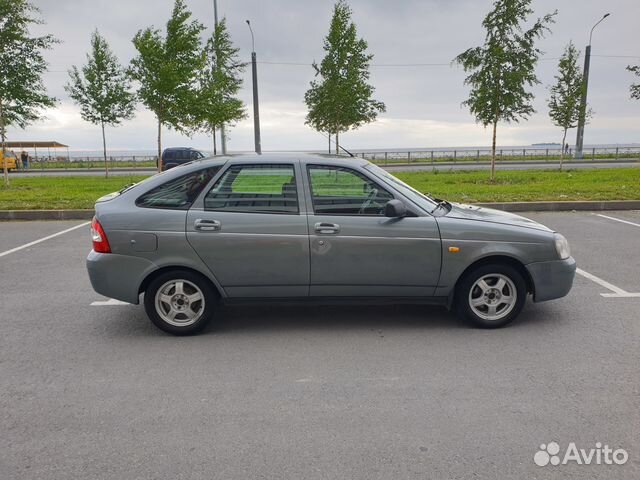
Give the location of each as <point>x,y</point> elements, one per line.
<point>118,276</point>
<point>552,279</point>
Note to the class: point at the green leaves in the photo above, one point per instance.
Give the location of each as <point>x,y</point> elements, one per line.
<point>566,93</point>
<point>341,99</point>
<point>101,88</point>
<point>167,69</point>
<point>503,68</point>
<point>22,93</point>
<point>219,83</point>
<point>635,88</point>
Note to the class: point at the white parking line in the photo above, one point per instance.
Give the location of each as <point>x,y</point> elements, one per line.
<point>618,220</point>
<point>35,242</point>
<point>110,302</point>
<point>617,291</point>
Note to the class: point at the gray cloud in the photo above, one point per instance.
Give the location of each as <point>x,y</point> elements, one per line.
<point>423,102</point>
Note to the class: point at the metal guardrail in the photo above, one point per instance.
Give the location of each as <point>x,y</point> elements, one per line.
<point>380,157</point>
<point>502,154</point>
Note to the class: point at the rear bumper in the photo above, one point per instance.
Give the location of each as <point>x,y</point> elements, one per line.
<point>552,279</point>
<point>118,276</point>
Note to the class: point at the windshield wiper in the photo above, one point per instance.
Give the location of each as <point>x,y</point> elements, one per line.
<point>439,203</point>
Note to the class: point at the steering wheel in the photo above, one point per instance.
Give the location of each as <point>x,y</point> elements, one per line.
<point>367,203</point>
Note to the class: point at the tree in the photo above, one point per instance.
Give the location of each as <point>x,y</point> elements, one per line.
<point>504,66</point>
<point>102,89</point>
<point>564,102</point>
<point>22,93</point>
<point>635,88</point>
<point>342,99</point>
<point>167,70</point>
<point>219,83</point>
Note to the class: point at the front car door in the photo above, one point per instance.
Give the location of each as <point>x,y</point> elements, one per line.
<point>355,249</point>
<point>250,228</point>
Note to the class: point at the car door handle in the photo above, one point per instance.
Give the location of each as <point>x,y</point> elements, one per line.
<point>327,228</point>
<point>207,225</point>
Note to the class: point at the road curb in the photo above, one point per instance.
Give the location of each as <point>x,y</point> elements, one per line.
<point>46,214</point>
<point>566,206</point>
<point>563,206</point>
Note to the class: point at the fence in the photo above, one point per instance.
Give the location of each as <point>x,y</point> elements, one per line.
<point>133,162</point>
<point>502,155</point>
<point>148,162</point>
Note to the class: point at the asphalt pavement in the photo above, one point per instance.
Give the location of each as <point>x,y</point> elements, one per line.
<point>331,392</point>
<point>443,166</point>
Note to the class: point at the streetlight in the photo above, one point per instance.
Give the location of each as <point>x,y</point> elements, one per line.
<point>583,99</point>
<point>256,110</point>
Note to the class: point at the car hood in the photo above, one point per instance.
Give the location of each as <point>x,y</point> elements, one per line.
<point>482,214</point>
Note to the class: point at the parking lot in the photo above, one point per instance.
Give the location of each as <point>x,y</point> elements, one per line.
<point>95,391</point>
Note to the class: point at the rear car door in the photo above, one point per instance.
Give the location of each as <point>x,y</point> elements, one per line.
<point>355,249</point>
<point>250,229</point>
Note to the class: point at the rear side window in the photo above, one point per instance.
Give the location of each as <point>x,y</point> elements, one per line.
<point>169,155</point>
<point>178,193</point>
<point>255,189</point>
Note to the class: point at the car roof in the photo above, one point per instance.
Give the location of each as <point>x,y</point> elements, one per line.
<point>179,148</point>
<point>275,157</point>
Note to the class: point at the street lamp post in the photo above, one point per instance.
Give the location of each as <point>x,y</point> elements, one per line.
<point>256,109</point>
<point>583,99</point>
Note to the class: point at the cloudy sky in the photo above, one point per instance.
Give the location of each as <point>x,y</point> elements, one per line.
<point>423,101</point>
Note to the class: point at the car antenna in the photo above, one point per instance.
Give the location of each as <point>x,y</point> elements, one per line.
<point>347,151</point>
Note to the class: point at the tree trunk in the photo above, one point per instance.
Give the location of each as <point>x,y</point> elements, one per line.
<point>493,151</point>
<point>159,145</point>
<point>215,146</point>
<point>104,152</point>
<point>564,139</point>
<point>3,135</point>
<point>337,143</point>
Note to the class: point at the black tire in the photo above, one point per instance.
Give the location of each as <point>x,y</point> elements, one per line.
<point>182,324</point>
<point>505,313</point>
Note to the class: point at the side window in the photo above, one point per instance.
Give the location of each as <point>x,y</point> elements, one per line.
<point>178,193</point>
<point>169,155</point>
<point>256,189</point>
<point>342,191</point>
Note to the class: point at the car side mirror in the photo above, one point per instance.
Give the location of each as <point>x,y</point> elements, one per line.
<point>395,209</point>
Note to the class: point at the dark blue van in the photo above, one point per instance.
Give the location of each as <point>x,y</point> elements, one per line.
<point>174,156</point>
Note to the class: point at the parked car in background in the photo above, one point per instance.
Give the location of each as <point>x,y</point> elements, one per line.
<point>313,227</point>
<point>174,156</point>
<point>12,161</point>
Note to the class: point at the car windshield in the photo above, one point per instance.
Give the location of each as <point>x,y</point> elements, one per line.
<point>411,193</point>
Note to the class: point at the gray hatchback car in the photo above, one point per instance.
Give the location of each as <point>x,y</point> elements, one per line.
<point>313,227</point>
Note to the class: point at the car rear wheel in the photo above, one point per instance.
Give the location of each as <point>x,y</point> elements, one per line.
<point>180,302</point>
<point>491,296</point>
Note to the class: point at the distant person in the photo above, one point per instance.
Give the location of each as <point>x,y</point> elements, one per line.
<point>25,160</point>
<point>566,149</point>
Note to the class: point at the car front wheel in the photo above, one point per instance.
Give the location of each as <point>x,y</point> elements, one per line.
<point>180,302</point>
<point>491,296</point>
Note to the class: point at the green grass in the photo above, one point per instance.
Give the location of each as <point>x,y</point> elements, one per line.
<point>465,186</point>
<point>528,185</point>
<point>48,193</point>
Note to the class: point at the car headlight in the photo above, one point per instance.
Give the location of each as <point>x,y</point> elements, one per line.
<point>562,246</point>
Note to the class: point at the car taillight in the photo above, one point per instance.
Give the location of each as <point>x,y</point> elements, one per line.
<point>100,242</point>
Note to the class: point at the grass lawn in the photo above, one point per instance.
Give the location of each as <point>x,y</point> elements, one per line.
<point>48,193</point>
<point>464,186</point>
<point>528,185</point>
